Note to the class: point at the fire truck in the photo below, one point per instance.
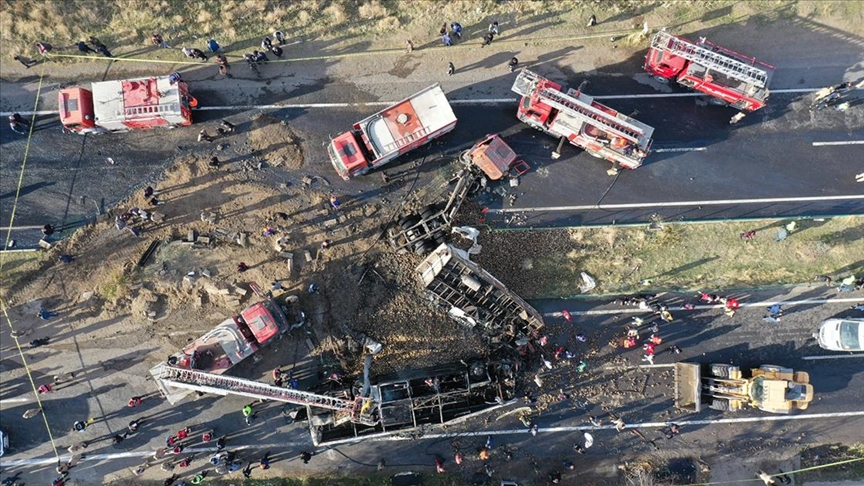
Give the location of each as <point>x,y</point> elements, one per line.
<point>585,123</point>
<point>129,104</point>
<point>397,129</point>
<point>728,77</point>
<point>234,340</point>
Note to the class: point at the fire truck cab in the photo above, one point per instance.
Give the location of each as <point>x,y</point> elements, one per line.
<point>599,130</point>
<point>730,78</point>
<point>132,104</point>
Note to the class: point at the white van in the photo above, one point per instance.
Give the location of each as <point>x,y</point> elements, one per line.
<point>841,335</point>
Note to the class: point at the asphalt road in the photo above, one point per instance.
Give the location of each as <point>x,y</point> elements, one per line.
<point>705,335</point>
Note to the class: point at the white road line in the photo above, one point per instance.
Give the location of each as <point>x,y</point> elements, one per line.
<point>16,400</point>
<point>449,435</point>
<point>839,356</point>
<point>682,149</point>
<point>637,367</point>
<point>484,101</point>
<point>607,312</point>
<point>717,202</point>
<point>826,144</point>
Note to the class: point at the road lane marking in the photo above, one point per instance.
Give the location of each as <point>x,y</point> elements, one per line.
<point>717,202</point>
<point>840,356</point>
<point>826,144</point>
<point>606,312</point>
<point>483,101</point>
<point>449,435</point>
<point>682,149</point>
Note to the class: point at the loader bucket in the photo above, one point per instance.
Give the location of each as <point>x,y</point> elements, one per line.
<point>688,387</point>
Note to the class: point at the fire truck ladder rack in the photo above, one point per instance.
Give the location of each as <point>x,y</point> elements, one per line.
<point>229,385</point>
<point>407,139</point>
<point>712,60</point>
<point>591,115</point>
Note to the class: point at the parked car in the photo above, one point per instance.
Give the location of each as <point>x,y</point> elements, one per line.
<point>4,442</point>
<point>841,335</point>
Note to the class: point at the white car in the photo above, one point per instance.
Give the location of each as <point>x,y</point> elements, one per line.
<point>841,335</point>
<point>4,442</point>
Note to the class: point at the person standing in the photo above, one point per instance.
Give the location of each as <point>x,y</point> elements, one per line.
<point>447,40</point>
<point>104,50</point>
<point>456,28</point>
<point>493,28</point>
<point>730,306</point>
<point>213,46</point>
<point>512,64</point>
<point>158,41</point>
<point>135,401</point>
<point>264,463</point>
<point>451,69</point>
<point>26,61</point>
<point>592,21</point>
<point>83,48</point>
<point>280,37</point>
<point>305,456</point>
<point>334,201</point>
<point>18,124</point>
<point>409,46</point>
<point>487,39</point>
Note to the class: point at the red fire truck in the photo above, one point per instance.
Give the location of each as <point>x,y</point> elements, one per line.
<point>397,129</point>
<point>585,123</point>
<point>730,78</point>
<point>129,104</point>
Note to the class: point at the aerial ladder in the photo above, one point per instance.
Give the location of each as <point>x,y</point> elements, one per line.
<point>598,129</point>
<point>713,60</point>
<point>360,410</point>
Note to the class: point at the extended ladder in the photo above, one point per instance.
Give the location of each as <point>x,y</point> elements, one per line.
<point>229,385</point>
<point>591,115</point>
<point>712,60</point>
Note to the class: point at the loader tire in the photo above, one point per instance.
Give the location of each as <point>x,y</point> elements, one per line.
<point>721,370</point>
<point>721,405</point>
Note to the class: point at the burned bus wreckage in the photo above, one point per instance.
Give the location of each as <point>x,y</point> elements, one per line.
<point>412,399</point>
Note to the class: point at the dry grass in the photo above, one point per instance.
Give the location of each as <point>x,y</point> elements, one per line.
<point>126,25</point>
<point>711,256</point>
<point>16,267</point>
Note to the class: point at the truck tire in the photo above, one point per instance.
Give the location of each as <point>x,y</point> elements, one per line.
<point>422,247</point>
<point>718,404</point>
<point>721,370</point>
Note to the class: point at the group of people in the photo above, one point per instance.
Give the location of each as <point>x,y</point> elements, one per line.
<point>456,32</point>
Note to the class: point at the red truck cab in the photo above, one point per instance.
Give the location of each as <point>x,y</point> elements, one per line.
<point>76,110</point>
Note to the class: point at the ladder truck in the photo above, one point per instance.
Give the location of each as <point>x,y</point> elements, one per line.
<point>599,130</point>
<point>728,77</point>
<point>360,410</point>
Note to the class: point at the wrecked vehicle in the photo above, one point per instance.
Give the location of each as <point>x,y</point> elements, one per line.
<point>412,399</point>
<point>475,299</point>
